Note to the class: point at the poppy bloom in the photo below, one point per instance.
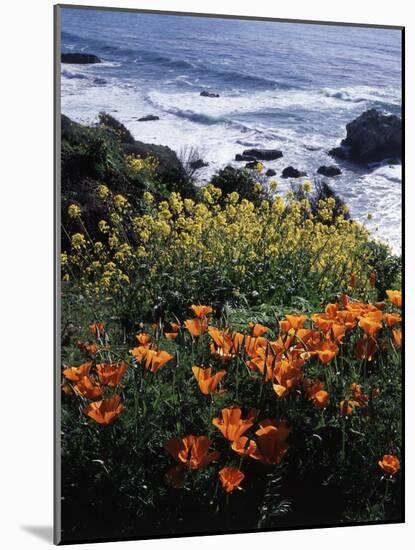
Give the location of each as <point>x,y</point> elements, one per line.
<point>294,322</point>
<point>197,326</point>
<point>347,407</point>
<point>77,373</point>
<point>231,479</point>
<point>139,353</point>
<point>225,345</point>
<point>258,329</point>
<point>172,331</point>
<point>97,328</point>
<point>397,338</point>
<point>316,393</point>
<point>207,383</point>
<point>232,425</point>
<point>390,464</point>
<point>395,297</point>
<point>110,374</point>
<point>86,388</point>
<point>327,351</point>
<point>271,441</point>
<point>245,446</point>
<point>392,319</point>
<point>287,375</point>
<point>323,321</point>
<point>143,338</point>
<point>191,451</point>
<point>370,326</point>
<point>366,348</point>
<point>358,394</point>
<point>156,359</point>
<point>201,311</point>
<point>106,411</point>
<point>88,347</point>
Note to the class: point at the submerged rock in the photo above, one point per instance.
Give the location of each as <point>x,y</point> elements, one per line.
<point>79,58</point>
<point>291,172</point>
<point>263,154</point>
<point>270,172</point>
<point>205,93</point>
<point>148,118</point>
<point>372,136</point>
<point>329,171</point>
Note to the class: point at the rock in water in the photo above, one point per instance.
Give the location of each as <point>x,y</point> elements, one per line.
<point>246,158</point>
<point>148,117</point>
<point>79,58</point>
<point>270,172</point>
<point>263,154</point>
<point>205,93</point>
<point>371,137</point>
<point>329,171</point>
<point>291,172</point>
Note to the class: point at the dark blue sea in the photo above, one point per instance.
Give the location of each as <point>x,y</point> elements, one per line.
<point>289,86</point>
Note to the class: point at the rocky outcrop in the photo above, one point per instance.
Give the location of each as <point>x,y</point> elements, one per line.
<point>205,93</point>
<point>372,136</point>
<point>329,171</point>
<point>244,158</point>
<point>79,58</point>
<point>263,154</point>
<point>291,172</point>
<point>148,118</point>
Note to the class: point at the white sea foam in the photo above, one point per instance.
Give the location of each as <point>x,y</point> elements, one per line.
<point>222,127</point>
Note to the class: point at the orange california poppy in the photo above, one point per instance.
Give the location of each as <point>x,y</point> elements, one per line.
<point>207,383</point>
<point>327,351</point>
<point>397,337</point>
<point>143,338</point>
<point>287,375</point>
<point>392,319</point>
<point>294,321</point>
<point>271,441</point>
<point>156,359</point>
<point>370,326</point>
<point>232,425</point>
<point>366,348</point>
<point>347,407</point>
<point>106,411</point>
<point>66,388</point>
<point>88,347</point>
<point>231,479</point>
<point>358,394</point>
<point>245,446</point>
<point>390,464</point>
<point>77,373</point>
<point>97,328</point>
<point>110,374</point>
<point>257,329</point>
<point>86,388</point>
<point>225,345</point>
<point>171,331</point>
<point>192,451</point>
<point>395,297</point>
<point>201,311</point>
<point>323,321</point>
<point>196,326</point>
<point>316,393</point>
<point>139,353</point>
<point>338,330</point>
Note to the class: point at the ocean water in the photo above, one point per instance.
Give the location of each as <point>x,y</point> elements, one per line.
<point>289,86</point>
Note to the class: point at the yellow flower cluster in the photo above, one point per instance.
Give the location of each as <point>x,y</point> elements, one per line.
<point>138,165</point>
<point>228,234</point>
